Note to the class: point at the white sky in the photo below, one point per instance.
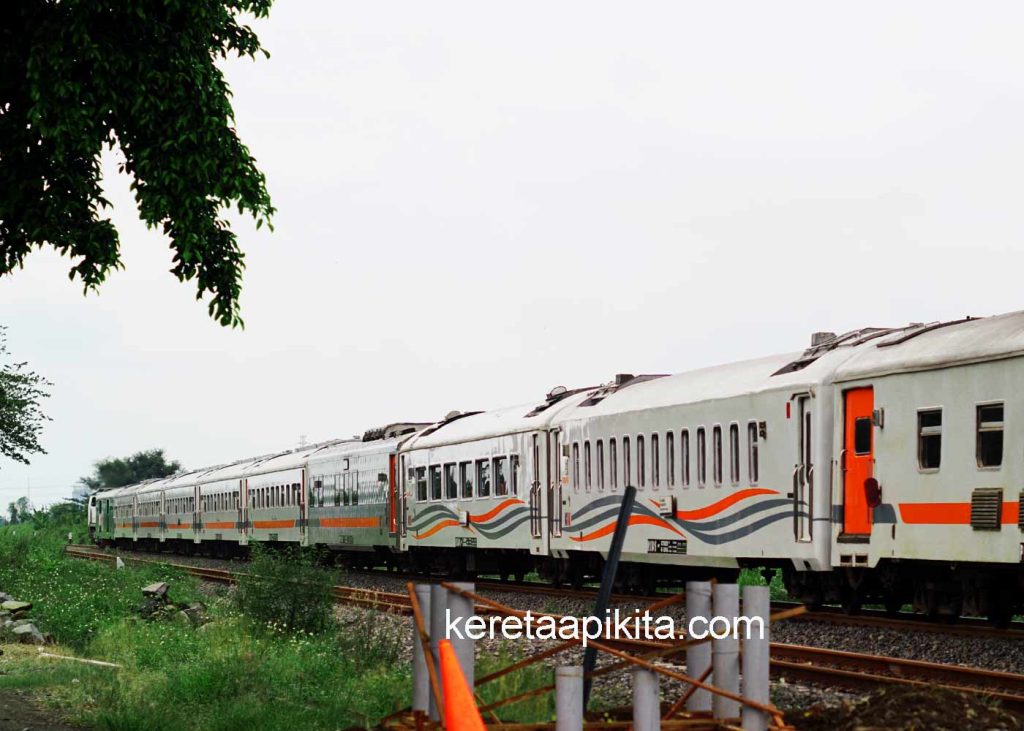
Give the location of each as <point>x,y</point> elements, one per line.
<point>479,202</point>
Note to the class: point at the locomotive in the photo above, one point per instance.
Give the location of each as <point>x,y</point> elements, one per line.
<point>882,466</point>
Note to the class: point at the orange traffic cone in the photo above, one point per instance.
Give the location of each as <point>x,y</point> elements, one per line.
<point>460,711</point>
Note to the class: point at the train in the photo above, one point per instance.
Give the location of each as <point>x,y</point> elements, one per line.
<point>880,466</point>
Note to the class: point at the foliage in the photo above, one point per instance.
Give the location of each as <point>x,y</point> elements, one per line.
<point>21,419</point>
<point>227,674</point>
<point>538,708</point>
<point>286,590</point>
<point>121,471</point>
<point>753,577</point>
<point>141,75</point>
<point>73,599</point>
<point>19,511</point>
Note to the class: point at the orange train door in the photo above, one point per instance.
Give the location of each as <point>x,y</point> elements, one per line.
<point>392,497</point>
<point>858,459</point>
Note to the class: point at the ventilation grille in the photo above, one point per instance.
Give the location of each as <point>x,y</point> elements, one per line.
<point>1020,510</point>
<point>986,508</point>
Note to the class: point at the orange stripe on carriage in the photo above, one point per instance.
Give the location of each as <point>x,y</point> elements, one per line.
<point>950,513</point>
<point>440,526</point>
<point>633,520</point>
<point>178,526</point>
<point>228,524</point>
<point>273,524</point>
<point>147,524</point>
<point>484,517</point>
<point>714,508</point>
<point>350,522</point>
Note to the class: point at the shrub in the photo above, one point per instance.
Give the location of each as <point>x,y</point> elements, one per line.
<point>286,590</point>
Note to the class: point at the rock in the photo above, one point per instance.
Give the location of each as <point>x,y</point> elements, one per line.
<point>181,618</point>
<point>29,635</point>
<point>4,614</point>
<point>14,606</point>
<point>4,597</point>
<point>194,612</point>
<point>118,563</point>
<point>21,622</point>
<point>158,589</point>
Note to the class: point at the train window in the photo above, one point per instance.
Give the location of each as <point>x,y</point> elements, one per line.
<point>990,435</point>
<point>451,484</point>
<point>655,462</point>
<point>929,438</point>
<point>421,484</point>
<point>296,494</point>
<point>483,477</point>
<point>466,479</point>
<point>716,453</point>
<point>435,481</point>
<point>641,461</point>
<point>587,469</point>
<point>355,488</point>
<point>501,475</point>
<point>600,464</point>
<point>514,473</point>
<point>613,462</point>
<point>684,457</point>
<point>626,476</point>
<point>734,453</point>
<point>670,458</point>
<point>576,466</point>
<point>702,457</point>
<point>752,465</point>
<point>862,435</point>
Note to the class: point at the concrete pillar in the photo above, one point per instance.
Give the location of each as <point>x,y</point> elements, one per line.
<point>438,605</point>
<point>569,698</point>
<point>725,652</point>
<point>646,700</point>
<point>420,676</point>
<point>698,657</point>
<point>756,603</point>
<point>462,609</point>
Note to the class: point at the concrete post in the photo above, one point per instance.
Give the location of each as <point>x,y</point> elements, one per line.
<point>462,609</point>
<point>725,652</point>
<point>698,657</point>
<point>420,676</point>
<point>438,605</point>
<point>756,603</point>
<point>569,698</point>
<point>646,700</point>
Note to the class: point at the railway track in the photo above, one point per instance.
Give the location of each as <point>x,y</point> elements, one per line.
<point>801,663</point>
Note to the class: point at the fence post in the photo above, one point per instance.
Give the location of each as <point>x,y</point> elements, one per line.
<point>420,677</point>
<point>646,700</point>
<point>756,603</point>
<point>725,652</point>
<point>462,609</point>
<point>438,605</point>
<point>698,657</point>
<point>569,698</point>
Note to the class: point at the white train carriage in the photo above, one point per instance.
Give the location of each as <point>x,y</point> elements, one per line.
<point>928,468</point>
<point>472,484</point>
<point>353,495</point>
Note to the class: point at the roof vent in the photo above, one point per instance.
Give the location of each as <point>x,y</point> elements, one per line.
<point>556,392</point>
<point>621,378</point>
<point>452,414</point>
<point>819,338</point>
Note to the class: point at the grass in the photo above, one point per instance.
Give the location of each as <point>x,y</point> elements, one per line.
<point>753,577</point>
<point>235,672</point>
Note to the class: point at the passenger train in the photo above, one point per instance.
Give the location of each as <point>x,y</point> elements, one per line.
<point>884,465</point>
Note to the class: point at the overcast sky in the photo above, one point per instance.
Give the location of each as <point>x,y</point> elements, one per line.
<point>478,202</point>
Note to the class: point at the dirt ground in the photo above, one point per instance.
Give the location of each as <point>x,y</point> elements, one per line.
<point>910,709</point>
<point>19,713</point>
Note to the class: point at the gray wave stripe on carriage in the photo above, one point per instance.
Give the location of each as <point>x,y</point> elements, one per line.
<point>716,539</point>
<point>488,532</point>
